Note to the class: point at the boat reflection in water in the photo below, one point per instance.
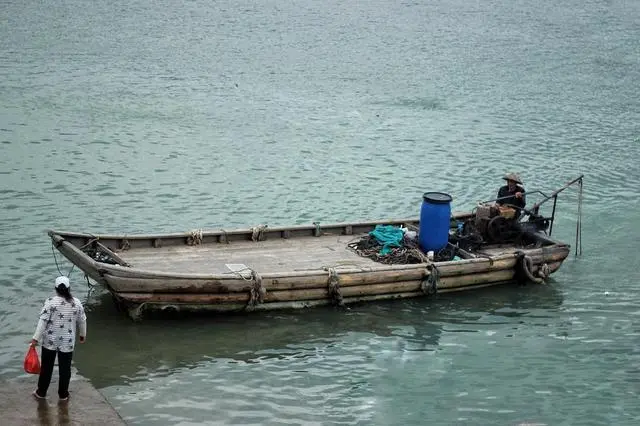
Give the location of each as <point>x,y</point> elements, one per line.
<point>119,351</point>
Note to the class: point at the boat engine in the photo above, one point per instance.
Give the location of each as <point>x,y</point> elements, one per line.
<point>496,223</point>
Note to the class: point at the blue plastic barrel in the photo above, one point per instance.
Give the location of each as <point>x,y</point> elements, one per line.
<point>435,216</point>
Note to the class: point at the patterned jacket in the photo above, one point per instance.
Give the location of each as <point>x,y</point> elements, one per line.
<point>59,320</point>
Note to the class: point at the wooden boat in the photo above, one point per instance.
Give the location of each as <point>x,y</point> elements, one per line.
<point>291,267</point>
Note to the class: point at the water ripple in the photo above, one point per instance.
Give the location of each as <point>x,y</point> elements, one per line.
<point>330,111</point>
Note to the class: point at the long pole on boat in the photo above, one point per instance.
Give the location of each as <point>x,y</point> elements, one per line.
<point>554,195</point>
<point>546,197</point>
<point>556,192</point>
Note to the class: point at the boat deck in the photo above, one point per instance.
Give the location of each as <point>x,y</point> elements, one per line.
<point>294,254</point>
<point>276,255</point>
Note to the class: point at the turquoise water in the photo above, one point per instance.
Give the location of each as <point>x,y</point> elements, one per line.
<point>164,116</point>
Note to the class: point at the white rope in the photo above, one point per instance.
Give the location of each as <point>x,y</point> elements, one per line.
<point>195,237</point>
<point>333,284</point>
<point>257,292</point>
<point>257,233</point>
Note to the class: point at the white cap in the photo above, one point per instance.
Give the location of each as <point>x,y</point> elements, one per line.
<point>64,281</point>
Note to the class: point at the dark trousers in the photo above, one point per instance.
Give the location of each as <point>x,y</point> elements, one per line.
<point>46,371</point>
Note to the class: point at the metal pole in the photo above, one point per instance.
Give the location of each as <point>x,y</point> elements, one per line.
<point>509,196</point>
<point>553,213</point>
<point>557,191</point>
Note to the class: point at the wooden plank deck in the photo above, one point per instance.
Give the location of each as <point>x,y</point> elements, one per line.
<point>295,254</point>
<point>498,250</point>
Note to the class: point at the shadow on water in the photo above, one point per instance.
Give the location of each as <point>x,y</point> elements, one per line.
<point>507,302</point>
<point>120,350</point>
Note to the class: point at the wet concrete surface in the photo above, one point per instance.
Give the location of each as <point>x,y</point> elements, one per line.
<point>86,405</point>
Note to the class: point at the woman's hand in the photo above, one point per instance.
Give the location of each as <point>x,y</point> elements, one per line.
<point>34,342</point>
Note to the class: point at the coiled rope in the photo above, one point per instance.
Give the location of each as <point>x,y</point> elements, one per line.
<point>409,253</point>
<point>429,284</point>
<point>195,237</point>
<point>226,236</point>
<point>525,265</point>
<point>544,271</point>
<point>257,233</point>
<point>257,291</point>
<point>333,284</point>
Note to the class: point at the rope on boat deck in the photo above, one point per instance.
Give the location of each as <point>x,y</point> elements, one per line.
<point>409,253</point>
<point>544,271</point>
<point>135,313</point>
<point>525,266</point>
<point>257,292</point>
<point>257,233</point>
<point>333,284</point>
<point>429,284</point>
<point>195,237</point>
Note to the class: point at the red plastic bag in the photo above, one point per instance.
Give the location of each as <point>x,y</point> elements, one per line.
<point>32,361</point>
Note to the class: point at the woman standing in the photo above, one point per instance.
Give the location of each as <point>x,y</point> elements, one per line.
<point>61,315</point>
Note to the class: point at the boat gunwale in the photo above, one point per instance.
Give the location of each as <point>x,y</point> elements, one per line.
<point>269,230</point>
<point>242,231</point>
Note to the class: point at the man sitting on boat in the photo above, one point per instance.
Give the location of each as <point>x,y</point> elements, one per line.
<point>513,192</point>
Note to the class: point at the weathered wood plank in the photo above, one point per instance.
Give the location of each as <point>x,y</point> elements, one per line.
<point>310,281</point>
<point>301,304</point>
<point>177,285</point>
<point>353,291</point>
<point>264,256</point>
<point>475,279</point>
<point>319,293</point>
<point>171,298</point>
<point>212,285</point>
<point>286,255</point>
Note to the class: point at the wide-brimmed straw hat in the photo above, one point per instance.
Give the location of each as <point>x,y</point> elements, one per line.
<point>514,177</point>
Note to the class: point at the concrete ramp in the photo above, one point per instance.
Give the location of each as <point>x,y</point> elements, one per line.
<point>86,406</point>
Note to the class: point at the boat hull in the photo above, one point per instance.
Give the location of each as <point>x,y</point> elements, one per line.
<point>284,268</point>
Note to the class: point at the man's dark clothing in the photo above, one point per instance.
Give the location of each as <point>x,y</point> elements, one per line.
<point>504,192</point>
